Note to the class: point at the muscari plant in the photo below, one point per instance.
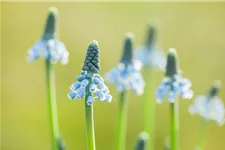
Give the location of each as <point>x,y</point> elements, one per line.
<point>90,85</point>
<point>209,107</point>
<point>172,86</point>
<point>125,76</point>
<point>152,58</point>
<point>52,50</point>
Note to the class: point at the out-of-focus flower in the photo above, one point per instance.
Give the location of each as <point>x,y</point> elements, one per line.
<point>126,75</point>
<point>142,141</point>
<point>90,83</point>
<point>49,46</point>
<point>173,83</point>
<point>148,54</point>
<point>210,106</point>
<point>61,144</point>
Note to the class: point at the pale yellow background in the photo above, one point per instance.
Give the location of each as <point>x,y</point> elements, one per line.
<point>196,30</point>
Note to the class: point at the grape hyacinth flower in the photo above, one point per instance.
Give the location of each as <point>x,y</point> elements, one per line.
<point>90,78</point>
<point>125,76</point>
<point>91,86</point>
<point>52,50</point>
<point>49,46</point>
<point>173,85</point>
<point>142,141</point>
<point>149,54</point>
<point>152,58</point>
<point>209,107</point>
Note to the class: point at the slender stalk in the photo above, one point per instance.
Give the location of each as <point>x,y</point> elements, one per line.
<point>52,106</point>
<point>89,115</point>
<point>202,135</point>
<point>148,108</point>
<point>174,126</point>
<point>121,124</point>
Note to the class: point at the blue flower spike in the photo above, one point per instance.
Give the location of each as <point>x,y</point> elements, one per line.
<point>49,46</point>
<point>90,80</point>
<point>173,83</point>
<point>172,86</point>
<point>90,85</point>
<point>210,106</point>
<point>126,75</point>
<point>52,50</point>
<point>150,55</point>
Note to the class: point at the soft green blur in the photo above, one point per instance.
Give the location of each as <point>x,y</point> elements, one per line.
<point>196,30</point>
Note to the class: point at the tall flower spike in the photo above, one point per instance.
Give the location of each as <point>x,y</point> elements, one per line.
<point>90,78</point>
<point>91,62</point>
<point>210,106</point>
<point>142,141</point>
<point>173,83</point>
<point>49,46</point>
<point>149,54</point>
<point>127,73</point>
<point>91,86</point>
<point>52,50</point>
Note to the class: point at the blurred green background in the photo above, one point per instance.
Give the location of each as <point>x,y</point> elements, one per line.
<point>196,30</point>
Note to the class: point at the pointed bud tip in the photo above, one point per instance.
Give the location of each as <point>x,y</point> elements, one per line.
<point>92,60</point>
<point>53,10</point>
<point>94,43</point>
<point>127,55</point>
<point>151,26</point>
<point>172,51</point>
<point>129,36</point>
<point>217,84</point>
<point>214,90</point>
<point>172,64</point>
<point>50,30</point>
<point>151,35</point>
<point>143,135</point>
<point>142,141</point>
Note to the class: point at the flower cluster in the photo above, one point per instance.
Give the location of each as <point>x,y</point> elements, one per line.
<point>172,87</point>
<point>173,84</point>
<point>53,50</point>
<point>89,83</point>
<point>49,46</point>
<point>148,54</point>
<point>210,107</point>
<point>92,82</point>
<point>126,78</point>
<point>127,73</point>
<point>151,57</point>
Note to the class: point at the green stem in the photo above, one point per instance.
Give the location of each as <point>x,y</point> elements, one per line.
<point>202,135</point>
<point>52,106</point>
<point>149,108</point>
<point>89,115</point>
<point>121,124</point>
<point>174,126</point>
